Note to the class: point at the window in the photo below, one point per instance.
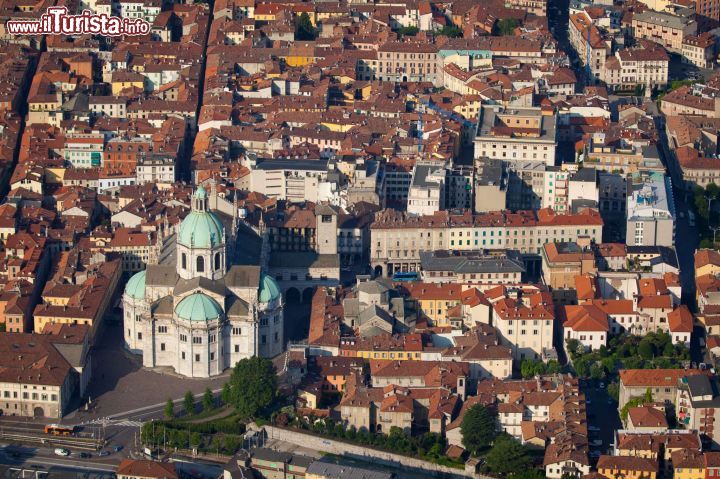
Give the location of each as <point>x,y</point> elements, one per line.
<point>212,356</point>
<point>197,340</point>
<point>197,358</point>
<point>182,355</point>
<point>183,261</point>
<point>237,348</point>
<point>236,331</point>
<point>183,338</point>
<point>162,346</point>
<point>162,329</point>
<point>139,335</point>
<point>217,261</point>
<point>200,264</point>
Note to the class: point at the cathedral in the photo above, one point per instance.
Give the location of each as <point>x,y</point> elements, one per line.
<point>202,315</point>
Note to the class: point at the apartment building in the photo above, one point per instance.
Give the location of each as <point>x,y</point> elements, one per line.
<point>406,61</point>
<point>622,156</point>
<point>663,28</point>
<point>651,212</point>
<point>633,67</point>
<point>525,134</point>
<point>589,43</point>
<point>699,50</point>
<point>525,321</point>
<point>397,238</point>
<point>471,267</point>
<point>662,383</point>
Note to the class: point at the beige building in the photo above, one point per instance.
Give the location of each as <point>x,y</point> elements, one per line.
<point>699,50</point>
<point>588,42</point>
<point>664,28</point>
<point>631,67</point>
<point>526,134</point>
<point>525,321</point>
<point>397,239</point>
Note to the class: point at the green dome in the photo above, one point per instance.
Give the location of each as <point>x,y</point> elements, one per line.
<point>201,229</point>
<point>135,287</point>
<point>269,290</point>
<point>198,307</point>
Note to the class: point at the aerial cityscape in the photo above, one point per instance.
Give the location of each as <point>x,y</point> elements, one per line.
<point>359,239</point>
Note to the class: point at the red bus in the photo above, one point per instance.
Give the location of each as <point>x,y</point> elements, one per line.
<point>58,430</point>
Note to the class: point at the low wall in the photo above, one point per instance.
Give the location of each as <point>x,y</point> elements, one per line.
<point>367,454</point>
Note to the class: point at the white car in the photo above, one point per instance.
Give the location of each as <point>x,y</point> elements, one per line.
<point>60,451</point>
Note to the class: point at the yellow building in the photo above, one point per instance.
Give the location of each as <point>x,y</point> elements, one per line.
<point>707,261</point>
<point>435,299</point>
<point>688,464</point>
<point>627,467</point>
<point>122,80</point>
<point>406,347</point>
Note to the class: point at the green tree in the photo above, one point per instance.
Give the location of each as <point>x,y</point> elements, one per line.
<point>408,31</point>
<point>530,368</point>
<point>552,367</point>
<point>169,410</point>
<point>527,474</point>
<point>478,428</point>
<point>613,390</point>
<point>582,367</point>
<point>253,385</point>
<point>597,371</point>
<point>195,439</point>
<point>304,29</point>
<point>646,350</point>
<point>208,400</point>
<point>189,403</point>
<point>225,394</point>
<point>635,402</point>
<point>507,456</point>
<point>450,31</point>
<point>572,346</point>
<point>505,27</point>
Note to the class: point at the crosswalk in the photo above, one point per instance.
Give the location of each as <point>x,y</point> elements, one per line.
<point>115,422</point>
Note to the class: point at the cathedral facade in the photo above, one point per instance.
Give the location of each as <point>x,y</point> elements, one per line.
<point>201,315</point>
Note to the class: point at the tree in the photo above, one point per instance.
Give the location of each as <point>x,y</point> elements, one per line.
<point>169,411</point>
<point>646,350</point>
<point>613,390</point>
<point>527,474</point>
<point>408,31</point>
<point>478,428</point>
<point>189,403</point>
<point>195,439</point>
<point>225,394</point>
<point>449,31</point>
<point>304,29</point>
<point>253,385</point>
<point>505,27</point>
<point>208,400</point>
<point>552,367</point>
<point>596,371</point>
<point>573,346</point>
<point>635,402</point>
<point>507,456</point>
<point>530,368</point>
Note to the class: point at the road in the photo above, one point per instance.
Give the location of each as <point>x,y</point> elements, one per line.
<point>686,236</point>
<point>602,414</point>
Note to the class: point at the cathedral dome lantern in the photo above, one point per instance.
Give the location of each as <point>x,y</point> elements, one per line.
<point>201,241</point>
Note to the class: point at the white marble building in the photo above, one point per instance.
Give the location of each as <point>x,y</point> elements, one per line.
<point>201,315</point>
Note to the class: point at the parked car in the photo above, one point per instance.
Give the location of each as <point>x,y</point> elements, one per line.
<point>117,448</point>
<point>602,385</point>
<point>61,451</point>
<point>596,442</point>
<point>595,454</point>
<point>103,454</point>
<point>593,429</point>
<point>85,455</point>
